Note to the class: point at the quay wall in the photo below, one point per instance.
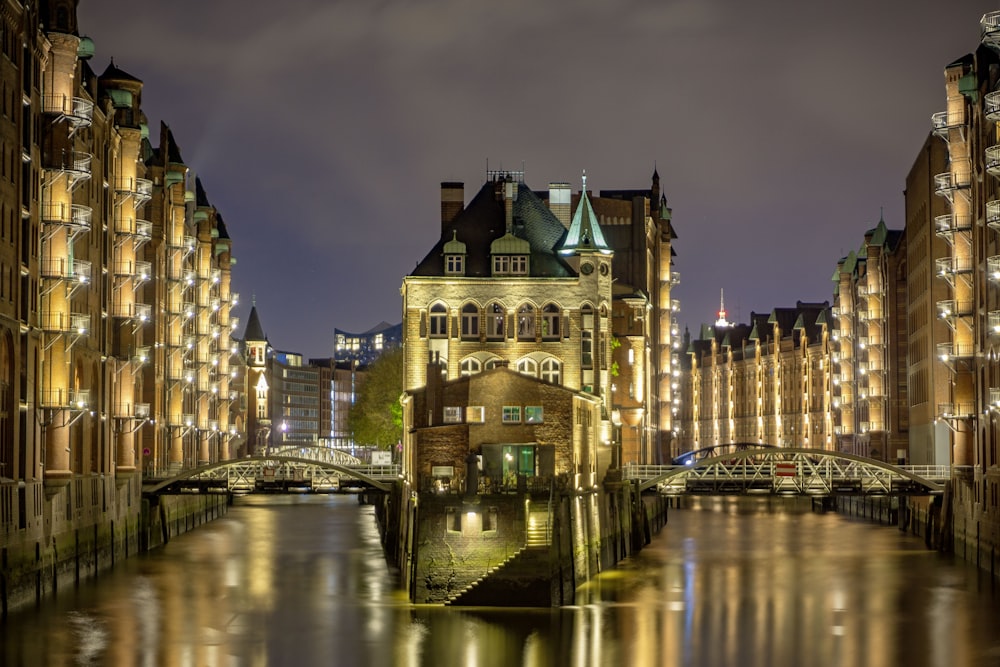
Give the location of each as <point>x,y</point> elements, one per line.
<point>56,537</point>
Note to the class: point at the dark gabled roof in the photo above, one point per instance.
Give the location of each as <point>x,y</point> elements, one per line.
<point>221,226</point>
<point>483,221</point>
<point>254,330</point>
<point>201,197</point>
<point>173,150</point>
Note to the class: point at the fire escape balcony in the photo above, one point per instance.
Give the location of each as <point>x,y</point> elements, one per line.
<point>947,183</point>
<point>956,410</point>
<point>952,352</point>
<point>208,386</point>
<point>139,190</point>
<point>66,268</point>
<point>138,312</point>
<point>989,30</point>
<point>185,243</point>
<point>994,397</point>
<point>675,278</point>
<point>949,267</point>
<point>945,123</point>
<point>993,322</point>
<point>74,165</point>
<point>991,106</point>
<point>181,421</point>
<point>139,270</point>
<point>675,305</point>
<point>993,268</point>
<point>947,226</point>
<point>76,218</point>
<point>993,214</point>
<point>131,411</point>
<point>68,399</point>
<point>57,321</point>
<point>949,309</point>
<point>133,229</point>
<point>234,323</point>
<point>76,111</point>
<point>993,160</point>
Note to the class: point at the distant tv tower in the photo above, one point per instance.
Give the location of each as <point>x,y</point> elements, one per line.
<point>722,322</point>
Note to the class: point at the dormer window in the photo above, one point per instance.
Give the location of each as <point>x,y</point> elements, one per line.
<point>454,265</point>
<point>510,265</point>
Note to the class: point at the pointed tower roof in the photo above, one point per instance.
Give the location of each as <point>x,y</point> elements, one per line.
<point>254,330</point>
<point>584,232</point>
<point>116,73</point>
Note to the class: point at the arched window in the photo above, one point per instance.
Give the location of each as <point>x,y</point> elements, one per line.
<point>495,315</point>
<point>528,367</point>
<point>438,321</point>
<point>470,321</point>
<point>552,371</point>
<point>551,322</point>
<point>493,363</point>
<point>526,322</point>
<point>470,366</point>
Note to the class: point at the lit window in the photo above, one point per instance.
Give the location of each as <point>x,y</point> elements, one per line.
<point>526,322</point>
<point>587,349</point>
<point>551,371</point>
<point>527,367</point>
<point>512,414</point>
<point>470,366</point>
<point>475,414</point>
<point>510,265</point>
<point>494,321</point>
<point>533,414</point>
<point>452,414</point>
<point>470,321</point>
<point>454,264</point>
<point>438,321</point>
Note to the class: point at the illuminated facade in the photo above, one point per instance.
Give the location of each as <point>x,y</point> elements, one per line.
<point>114,295</point>
<point>364,348</point>
<point>510,285</point>
<point>869,362</point>
<point>766,382</point>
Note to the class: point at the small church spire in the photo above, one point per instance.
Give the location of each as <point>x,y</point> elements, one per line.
<point>722,322</point>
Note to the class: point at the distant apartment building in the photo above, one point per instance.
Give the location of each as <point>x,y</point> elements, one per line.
<point>869,355</point>
<point>364,348</point>
<point>766,382</point>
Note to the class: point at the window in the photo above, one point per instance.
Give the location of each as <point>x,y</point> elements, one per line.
<point>470,321</point>
<point>510,265</point>
<point>533,414</point>
<point>492,363</point>
<point>494,321</point>
<point>528,367</point>
<point>452,414</point>
<point>475,414</point>
<point>512,414</point>
<point>550,322</point>
<point>454,264</point>
<point>551,371</point>
<point>587,349</point>
<point>470,366</point>
<point>439,321</point>
<point>526,322</point>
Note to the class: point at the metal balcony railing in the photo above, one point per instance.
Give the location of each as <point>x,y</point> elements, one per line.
<point>955,410</point>
<point>64,268</point>
<point>948,266</point>
<point>76,164</point>
<point>945,184</point>
<point>138,188</point>
<point>948,351</point>
<point>78,111</point>
<point>989,30</point>
<point>76,216</point>
<point>58,321</point>
<point>993,322</point>
<point>70,399</point>
<point>942,121</point>
<point>992,162</point>
<point>181,420</point>
<point>949,308</point>
<point>947,225</point>
<point>140,312</point>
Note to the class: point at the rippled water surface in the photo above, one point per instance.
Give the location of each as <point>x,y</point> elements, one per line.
<point>300,580</point>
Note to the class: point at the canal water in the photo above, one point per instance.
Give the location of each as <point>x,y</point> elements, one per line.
<point>300,580</point>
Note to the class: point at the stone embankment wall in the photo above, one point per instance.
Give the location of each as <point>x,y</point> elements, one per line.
<point>81,535</point>
<point>513,549</point>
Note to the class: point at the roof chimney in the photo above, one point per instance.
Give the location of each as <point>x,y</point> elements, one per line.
<point>452,202</point>
<point>560,196</point>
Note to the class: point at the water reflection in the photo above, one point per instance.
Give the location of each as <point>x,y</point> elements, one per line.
<point>300,580</point>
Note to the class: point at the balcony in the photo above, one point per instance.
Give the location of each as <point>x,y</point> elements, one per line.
<point>993,267</point>
<point>995,397</point>
<point>948,225</point>
<point>76,217</point>
<point>950,308</point>
<point>948,352</point>
<point>185,243</point>
<point>76,111</point>
<point>139,190</point>
<point>993,160</point>
<point>991,106</point>
<point>140,312</point>
<point>943,121</point>
<point>141,356</point>
<point>947,183</point>
<point>75,165</point>
<point>131,411</point>
<point>139,270</point>
<point>57,321</point>
<point>64,268</point>
<point>993,322</point>
<point>181,421</point>
<point>951,266</point>
<point>993,214</point>
<point>989,30</point>
<point>675,278</point>
<point>208,386</point>
<point>68,399</point>
<point>955,410</point>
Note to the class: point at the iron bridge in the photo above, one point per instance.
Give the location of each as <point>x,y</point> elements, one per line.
<point>789,471</point>
<point>289,469</point>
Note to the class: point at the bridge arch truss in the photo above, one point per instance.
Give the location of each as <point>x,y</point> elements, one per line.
<point>790,471</point>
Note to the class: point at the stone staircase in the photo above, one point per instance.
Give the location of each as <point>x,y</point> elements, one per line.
<point>470,589</point>
<point>539,531</point>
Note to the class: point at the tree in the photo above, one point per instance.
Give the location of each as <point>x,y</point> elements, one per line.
<point>376,418</point>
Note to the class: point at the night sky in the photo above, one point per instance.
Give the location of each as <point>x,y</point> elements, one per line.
<point>322,129</point>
